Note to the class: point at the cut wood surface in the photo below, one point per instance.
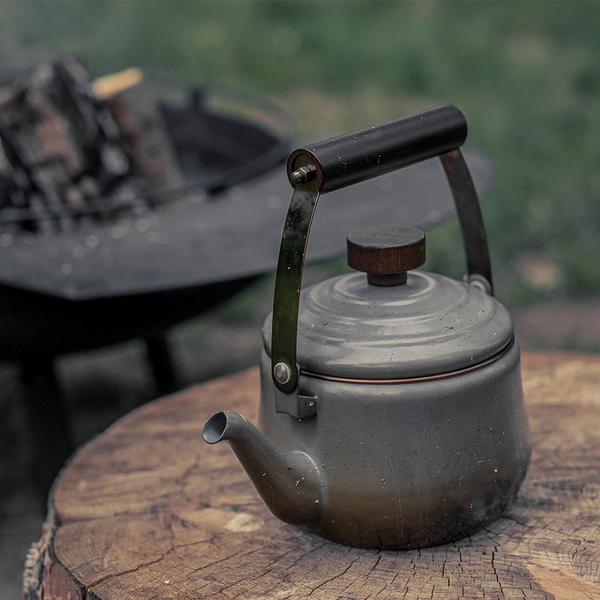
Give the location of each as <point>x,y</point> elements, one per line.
<point>142,127</point>
<point>149,511</point>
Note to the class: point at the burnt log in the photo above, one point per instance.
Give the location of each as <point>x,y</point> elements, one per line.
<point>71,148</point>
<point>50,127</point>
<point>142,127</point>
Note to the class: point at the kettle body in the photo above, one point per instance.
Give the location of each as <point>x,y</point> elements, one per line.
<point>392,411</point>
<point>410,465</point>
<point>407,462</point>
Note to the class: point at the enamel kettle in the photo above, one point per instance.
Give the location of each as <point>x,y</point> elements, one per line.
<point>391,403</point>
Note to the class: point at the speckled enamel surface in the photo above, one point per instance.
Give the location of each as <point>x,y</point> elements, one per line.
<point>408,465</point>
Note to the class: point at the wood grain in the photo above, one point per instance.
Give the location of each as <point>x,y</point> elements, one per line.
<point>147,510</point>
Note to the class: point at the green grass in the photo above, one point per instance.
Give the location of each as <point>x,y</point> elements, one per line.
<point>527,75</point>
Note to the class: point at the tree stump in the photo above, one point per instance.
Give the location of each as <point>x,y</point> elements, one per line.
<point>148,510</point>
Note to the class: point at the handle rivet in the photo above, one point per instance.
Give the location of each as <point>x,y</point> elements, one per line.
<point>303,174</point>
<point>282,372</point>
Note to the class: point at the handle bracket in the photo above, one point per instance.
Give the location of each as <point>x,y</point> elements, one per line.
<point>288,282</point>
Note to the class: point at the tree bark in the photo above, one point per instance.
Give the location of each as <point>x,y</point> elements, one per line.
<point>147,510</point>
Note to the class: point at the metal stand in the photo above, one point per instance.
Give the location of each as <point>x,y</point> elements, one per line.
<point>162,364</point>
<point>49,424</point>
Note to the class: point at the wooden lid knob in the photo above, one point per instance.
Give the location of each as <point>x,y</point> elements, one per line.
<point>386,254</point>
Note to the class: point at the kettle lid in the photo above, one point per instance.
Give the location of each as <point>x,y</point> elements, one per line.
<point>429,325</point>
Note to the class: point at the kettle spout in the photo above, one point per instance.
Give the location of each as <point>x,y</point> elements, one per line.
<point>289,483</point>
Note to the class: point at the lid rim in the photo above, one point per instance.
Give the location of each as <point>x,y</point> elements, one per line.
<point>423,378</point>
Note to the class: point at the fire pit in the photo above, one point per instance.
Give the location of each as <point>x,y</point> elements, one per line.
<point>80,277</point>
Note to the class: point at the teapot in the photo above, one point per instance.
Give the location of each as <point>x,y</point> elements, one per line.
<point>391,410</point>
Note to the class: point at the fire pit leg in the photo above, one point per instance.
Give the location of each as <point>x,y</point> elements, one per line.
<point>162,364</point>
<point>48,422</point>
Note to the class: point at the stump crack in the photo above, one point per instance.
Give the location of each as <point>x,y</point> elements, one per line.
<point>173,548</point>
<point>127,572</point>
<point>334,577</point>
<point>216,562</point>
<point>494,552</point>
<point>266,571</point>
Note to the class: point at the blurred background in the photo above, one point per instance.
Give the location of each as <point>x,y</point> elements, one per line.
<point>526,75</point>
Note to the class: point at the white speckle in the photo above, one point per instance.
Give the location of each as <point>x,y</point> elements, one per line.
<point>385,183</point>
<point>434,216</point>
<point>274,201</point>
<point>402,211</point>
<point>117,232</point>
<point>142,225</point>
<point>244,523</point>
<point>167,581</point>
<point>156,237</point>
<point>198,197</point>
<point>91,241</point>
<point>237,193</point>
